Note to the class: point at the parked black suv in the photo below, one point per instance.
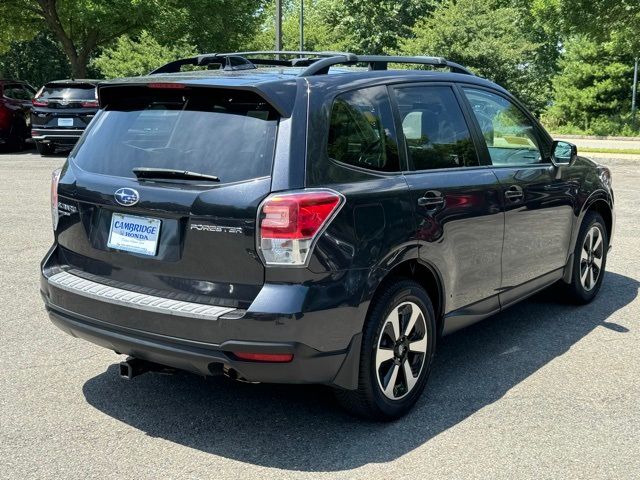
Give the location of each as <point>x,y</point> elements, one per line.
<point>15,107</point>
<point>61,111</point>
<point>311,223</point>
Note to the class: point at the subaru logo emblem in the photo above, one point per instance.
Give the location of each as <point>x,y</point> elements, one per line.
<point>126,196</point>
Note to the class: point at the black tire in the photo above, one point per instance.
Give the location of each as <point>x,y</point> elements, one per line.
<point>45,149</point>
<point>583,292</point>
<point>16,139</point>
<point>369,400</point>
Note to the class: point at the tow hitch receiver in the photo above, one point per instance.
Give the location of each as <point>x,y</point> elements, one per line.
<point>132,367</point>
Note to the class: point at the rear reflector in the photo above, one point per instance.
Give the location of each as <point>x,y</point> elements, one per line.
<point>291,222</point>
<point>265,357</point>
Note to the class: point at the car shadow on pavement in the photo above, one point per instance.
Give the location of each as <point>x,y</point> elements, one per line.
<point>301,428</point>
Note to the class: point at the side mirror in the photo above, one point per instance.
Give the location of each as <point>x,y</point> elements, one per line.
<point>563,153</point>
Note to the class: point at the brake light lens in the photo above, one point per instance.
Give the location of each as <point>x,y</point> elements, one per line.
<point>264,357</point>
<point>290,223</point>
<point>170,85</point>
<point>90,104</point>
<point>39,102</point>
<point>55,178</point>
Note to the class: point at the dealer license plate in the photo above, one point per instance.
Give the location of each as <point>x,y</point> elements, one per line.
<point>134,234</point>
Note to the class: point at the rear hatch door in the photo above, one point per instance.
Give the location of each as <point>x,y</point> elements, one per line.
<point>141,220</point>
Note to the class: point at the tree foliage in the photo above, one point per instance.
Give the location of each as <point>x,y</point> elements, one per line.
<point>80,26</point>
<point>487,37</point>
<point>359,26</point>
<point>138,56</point>
<point>591,93</point>
<point>84,26</point>
<point>36,61</point>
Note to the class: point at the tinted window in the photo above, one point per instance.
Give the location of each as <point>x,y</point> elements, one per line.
<point>17,92</point>
<point>361,130</point>
<point>76,92</point>
<point>231,136</point>
<point>434,128</point>
<point>509,133</point>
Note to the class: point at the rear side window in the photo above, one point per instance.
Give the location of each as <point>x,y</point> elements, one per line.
<point>435,131</point>
<point>229,135</point>
<point>63,92</point>
<point>361,130</point>
<point>17,92</point>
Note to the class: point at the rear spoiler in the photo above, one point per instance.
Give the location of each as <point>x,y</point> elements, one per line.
<point>280,95</point>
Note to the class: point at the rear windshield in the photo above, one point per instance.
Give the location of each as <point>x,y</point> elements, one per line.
<point>75,92</point>
<point>231,136</point>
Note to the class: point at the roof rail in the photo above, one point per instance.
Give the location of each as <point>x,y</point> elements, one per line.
<point>317,63</point>
<point>238,60</point>
<point>380,62</point>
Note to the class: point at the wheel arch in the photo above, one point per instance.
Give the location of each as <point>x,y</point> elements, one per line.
<point>602,207</point>
<point>423,273</point>
<point>601,203</point>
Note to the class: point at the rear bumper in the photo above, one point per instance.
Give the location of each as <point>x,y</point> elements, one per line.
<point>203,339</point>
<point>308,365</point>
<point>59,135</point>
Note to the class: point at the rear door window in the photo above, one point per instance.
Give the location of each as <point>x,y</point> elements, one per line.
<point>228,135</point>
<point>434,128</point>
<point>362,132</point>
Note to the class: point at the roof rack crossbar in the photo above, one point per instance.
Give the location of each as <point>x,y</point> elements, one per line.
<point>379,62</point>
<point>228,61</point>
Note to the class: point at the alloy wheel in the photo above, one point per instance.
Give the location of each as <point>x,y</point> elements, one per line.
<point>401,350</point>
<point>591,257</point>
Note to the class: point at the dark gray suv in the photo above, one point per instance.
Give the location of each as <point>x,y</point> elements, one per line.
<point>297,218</point>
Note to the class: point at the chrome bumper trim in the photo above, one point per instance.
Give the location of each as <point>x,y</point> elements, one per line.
<point>140,301</point>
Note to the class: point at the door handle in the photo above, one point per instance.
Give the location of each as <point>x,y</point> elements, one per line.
<point>432,199</point>
<point>513,193</point>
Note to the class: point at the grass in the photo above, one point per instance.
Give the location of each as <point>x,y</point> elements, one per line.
<point>624,151</point>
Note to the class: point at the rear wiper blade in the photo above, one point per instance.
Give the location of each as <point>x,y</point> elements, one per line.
<point>170,173</point>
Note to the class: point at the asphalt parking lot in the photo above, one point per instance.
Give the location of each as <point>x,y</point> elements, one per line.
<point>543,390</point>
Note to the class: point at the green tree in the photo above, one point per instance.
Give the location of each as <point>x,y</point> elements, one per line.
<point>80,26</point>
<point>491,39</point>
<point>138,56</point>
<point>600,20</point>
<point>84,26</point>
<point>592,89</point>
<point>376,27</point>
<point>36,61</point>
<point>319,33</point>
<point>360,26</point>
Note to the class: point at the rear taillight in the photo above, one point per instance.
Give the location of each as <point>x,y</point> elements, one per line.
<point>90,104</point>
<point>55,177</point>
<point>39,102</point>
<point>289,224</point>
